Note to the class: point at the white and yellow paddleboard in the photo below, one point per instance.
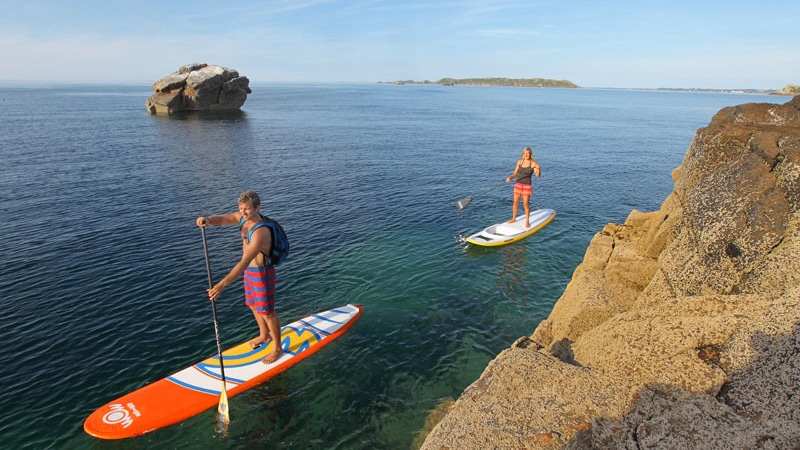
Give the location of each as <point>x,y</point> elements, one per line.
<point>198,387</point>
<point>506,233</point>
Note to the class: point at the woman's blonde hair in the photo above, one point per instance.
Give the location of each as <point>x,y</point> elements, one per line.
<point>527,149</point>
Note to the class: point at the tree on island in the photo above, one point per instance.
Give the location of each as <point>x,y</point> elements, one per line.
<point>516,82</point>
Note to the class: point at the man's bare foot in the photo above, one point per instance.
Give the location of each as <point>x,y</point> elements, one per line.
<point>255,343</point>
<point>512,221</point>
<point>274,356</point>
<point>527,225</point>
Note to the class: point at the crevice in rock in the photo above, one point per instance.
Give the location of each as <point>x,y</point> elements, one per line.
<point>709,354</point>
<point>732,250</point>
<point>526,342</point>
<point>562,350</point>
<point>778,159</point>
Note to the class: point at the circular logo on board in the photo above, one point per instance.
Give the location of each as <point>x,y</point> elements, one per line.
<point>118,414</point>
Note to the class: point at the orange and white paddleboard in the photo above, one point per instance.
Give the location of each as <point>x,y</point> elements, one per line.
<point>197,388</point>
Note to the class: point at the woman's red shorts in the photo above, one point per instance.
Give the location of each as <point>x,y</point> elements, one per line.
<point>522,189</point>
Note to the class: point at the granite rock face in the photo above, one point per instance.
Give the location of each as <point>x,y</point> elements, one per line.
<point>789,89</point>
<point>198,87</point>
<point>680,328</point>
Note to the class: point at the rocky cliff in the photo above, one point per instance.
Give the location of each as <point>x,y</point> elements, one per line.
<point>680,328</point>
<point>198,87</point>
<point>790,89</point>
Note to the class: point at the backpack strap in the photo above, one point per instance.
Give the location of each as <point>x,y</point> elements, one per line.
<point>262,223</point>
<point>279,246</point>
<point>258,225</point>
<point>255,227</point>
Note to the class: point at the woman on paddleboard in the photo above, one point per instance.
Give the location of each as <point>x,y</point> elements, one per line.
<point>526,168</point>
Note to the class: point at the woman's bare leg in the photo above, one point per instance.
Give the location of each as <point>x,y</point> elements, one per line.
<point>514,208</point>
<point>526,202</point>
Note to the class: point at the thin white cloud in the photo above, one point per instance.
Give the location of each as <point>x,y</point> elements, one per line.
<point>506,32</point>
<point>262,9</point>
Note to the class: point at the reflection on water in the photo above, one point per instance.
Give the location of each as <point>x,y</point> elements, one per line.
<point>511,277</point>
<point>210,116</point>
<point>209,146</point>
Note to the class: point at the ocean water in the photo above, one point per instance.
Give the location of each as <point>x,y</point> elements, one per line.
<point>102,281</point>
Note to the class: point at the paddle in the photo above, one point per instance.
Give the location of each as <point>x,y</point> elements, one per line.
<point>461,204</point>
<point>223,419</point>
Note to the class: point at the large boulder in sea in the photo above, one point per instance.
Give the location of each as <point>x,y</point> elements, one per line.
<point>199,87</point>
<point>680,328</point>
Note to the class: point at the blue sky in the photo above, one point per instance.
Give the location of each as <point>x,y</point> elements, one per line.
<point>623,44</point>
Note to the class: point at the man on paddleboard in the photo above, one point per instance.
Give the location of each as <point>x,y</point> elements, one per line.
<point>258,274</point>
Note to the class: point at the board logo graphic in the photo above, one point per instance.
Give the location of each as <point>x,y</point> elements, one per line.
<point>119,414</point>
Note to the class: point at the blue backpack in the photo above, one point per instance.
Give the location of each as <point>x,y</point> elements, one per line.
<point>280,243</point>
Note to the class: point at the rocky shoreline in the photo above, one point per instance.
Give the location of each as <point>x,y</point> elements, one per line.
<point>680,328</point>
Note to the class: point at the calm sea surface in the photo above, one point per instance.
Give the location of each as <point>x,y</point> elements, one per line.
<point>102,281</point>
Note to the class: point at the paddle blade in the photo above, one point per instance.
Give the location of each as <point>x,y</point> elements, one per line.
<point>223,419</point>
<point>461,204</point>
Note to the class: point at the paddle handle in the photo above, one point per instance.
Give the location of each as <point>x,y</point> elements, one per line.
<point>490,190</point>
<point>213,305</point>
<point>208,262</point>
<point>461,204</point>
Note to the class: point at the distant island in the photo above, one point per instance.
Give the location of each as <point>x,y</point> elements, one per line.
<point>718,91</point>
<point>790,89</point>
<point>516,82</point>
